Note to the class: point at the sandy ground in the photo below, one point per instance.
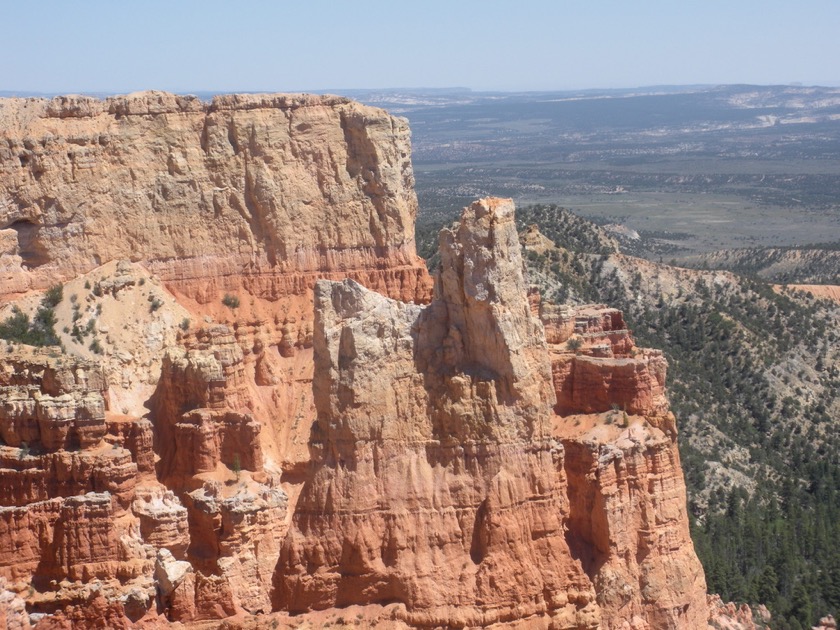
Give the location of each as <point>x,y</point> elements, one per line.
<point>830,291</point>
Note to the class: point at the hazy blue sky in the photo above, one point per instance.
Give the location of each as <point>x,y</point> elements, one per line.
<point>191,45</point>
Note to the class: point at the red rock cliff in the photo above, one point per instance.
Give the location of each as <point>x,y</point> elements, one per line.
<point>628,523</point>
<point>262,191</point>
<point>439,481</point>
<point>253,196</point>
<point>435,483</point>
<point>442,483</point>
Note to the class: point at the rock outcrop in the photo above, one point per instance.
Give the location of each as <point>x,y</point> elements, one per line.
<point>261,192</point>
<point>435,482</point>
<point>461,446</point>
<point>66,487</point>
<point>597,367</point>
<point>628,522</point>
<point>13,615</point>
<point>283,423</point>
<point>162,214</point>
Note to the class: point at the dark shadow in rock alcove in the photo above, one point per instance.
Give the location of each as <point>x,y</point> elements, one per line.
<point>30,243</point>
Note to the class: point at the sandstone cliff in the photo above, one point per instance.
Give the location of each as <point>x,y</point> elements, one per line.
<point>257,191</point>
<point>188,237</point>
<point>628,518</point>
<point>435,483</point>
<point>67,486</point>
<point>460,445</point>
<point>246,436</point>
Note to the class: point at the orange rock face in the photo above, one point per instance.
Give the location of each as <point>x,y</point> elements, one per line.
<point>253,196</point>
<point>60,505</point>
<point>311,444</point>
<point>435,483</point>
<point>264,192</point>
<point>463,427</point>
<point>596,366</point>
<point>628,523</point>
<point>629,527</point>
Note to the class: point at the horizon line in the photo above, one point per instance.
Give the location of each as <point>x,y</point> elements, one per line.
<point>11,93</point>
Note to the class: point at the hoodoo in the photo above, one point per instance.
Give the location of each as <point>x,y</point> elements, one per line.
<point>436,483</point>
<point>263,406</point>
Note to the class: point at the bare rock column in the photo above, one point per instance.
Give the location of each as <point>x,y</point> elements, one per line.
<point>434,481</point>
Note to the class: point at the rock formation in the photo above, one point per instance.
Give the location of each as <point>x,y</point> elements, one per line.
<point>261,192</point>
<point>729,616</point>
<point>628,521</point>
<point>254,431</point>
<point>13,615</point>
<point>460,445</point>
<point>67,486</point>
<point>160,214</point>
<point>435,482</point>
<point>599,366</point>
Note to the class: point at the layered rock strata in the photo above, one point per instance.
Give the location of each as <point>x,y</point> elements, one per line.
<point>462,432</point>
<point>211,455</point>
<point>442,488</point>
<point>597,367</point>
<point>65,491</point>
<point>263,192</point>
<point>435,482</point>
<point>628,523</point>
<point>49,404</point>
<point>235,208</point>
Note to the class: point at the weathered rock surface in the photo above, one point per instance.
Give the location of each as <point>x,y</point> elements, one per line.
<point>827,623</point>
<point>50,402</point>
<point>13,615</point>
<point>628,521</point>
<point>597,367</point>
<point>729,616</point>
<point>211,455</point>
<point>66,486</point>
<point>265,192</point>
<point>435,482</point>
<point>154,196</point>
<point>441,488</point>
<point>163,521</point>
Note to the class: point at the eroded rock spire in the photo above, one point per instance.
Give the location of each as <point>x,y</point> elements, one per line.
<point>434,484</point>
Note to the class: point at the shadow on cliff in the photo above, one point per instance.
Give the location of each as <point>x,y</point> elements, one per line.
<point>587,531</point>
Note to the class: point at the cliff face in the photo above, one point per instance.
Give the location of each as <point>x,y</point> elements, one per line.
<point>309,443</point>
<point>435,483</point>
<point>260,191</point>
<point>182,203</point>
<point>628,523</point>
<point>66,491</point>
<point>461,445</point>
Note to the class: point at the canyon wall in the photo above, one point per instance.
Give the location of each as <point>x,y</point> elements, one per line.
<point>443,482</point>
<point>264,192</point>
<point>274,419</point>
<point>189,237</point>
<point>435,482</point>
<point>628,520</point>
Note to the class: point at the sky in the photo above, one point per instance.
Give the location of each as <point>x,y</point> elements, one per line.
<point>72,46</point>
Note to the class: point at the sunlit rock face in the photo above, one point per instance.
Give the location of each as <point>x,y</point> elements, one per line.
<point>435,482</point>
<point>185,202</point>
<point>266,192</point>
<point>442,480</point>
<point>628,523</point>
<point>293,426</point>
